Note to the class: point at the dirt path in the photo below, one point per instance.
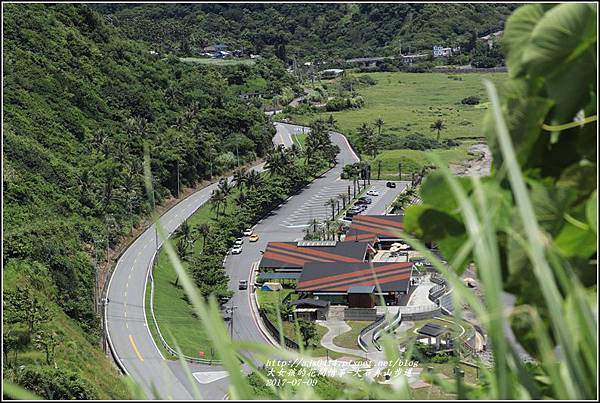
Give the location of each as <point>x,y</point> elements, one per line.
<point>478,166</point>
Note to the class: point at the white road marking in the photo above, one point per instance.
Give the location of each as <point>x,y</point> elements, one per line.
<point>209,377</point>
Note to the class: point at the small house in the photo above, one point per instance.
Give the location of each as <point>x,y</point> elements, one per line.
<point>311,309</point>
<point>361,296</point>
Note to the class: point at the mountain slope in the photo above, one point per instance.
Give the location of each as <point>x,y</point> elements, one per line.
<point>80,102</point>
<point>307,31</point>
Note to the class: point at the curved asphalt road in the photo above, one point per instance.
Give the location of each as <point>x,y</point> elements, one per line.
<point>126,324</point>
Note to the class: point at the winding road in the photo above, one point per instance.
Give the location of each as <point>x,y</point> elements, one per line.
<point>127,327</point>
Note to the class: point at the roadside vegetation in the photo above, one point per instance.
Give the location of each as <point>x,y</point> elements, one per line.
<point>205,238</point>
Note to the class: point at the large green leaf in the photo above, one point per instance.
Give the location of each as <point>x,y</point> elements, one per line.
<point>431,224</point>
<point>517,33</point>
<point>577,238</point>
<point>591,212</point>
<point>571,86</point>
<point>435,191</point>
<point>563,33</point>
<point>524,117</point>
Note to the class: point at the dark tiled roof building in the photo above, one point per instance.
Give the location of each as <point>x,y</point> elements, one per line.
<point>375,227</point>
<point>291,256</point>
<point>341,277</point>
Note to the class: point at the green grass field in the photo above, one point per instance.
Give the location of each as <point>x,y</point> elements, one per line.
<point>409,103</point>
<point>216,62</point>
<point>349,339</point>
<point>412,160</point>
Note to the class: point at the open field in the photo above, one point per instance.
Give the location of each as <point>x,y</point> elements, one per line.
<point>409,103</point>
<point>216,62</point>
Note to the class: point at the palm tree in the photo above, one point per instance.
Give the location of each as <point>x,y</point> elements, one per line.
<point>404,199</point>
<point>217,199</point>
<point>180,123</point>
<point>240,176</point>
<point>252,179</point>
<point>379,124</point>
<point>203,230</point>
<point>183,248</point>
<point>343,197</point>
<point>241,199</point>
<point>276,162</point>
<point>225,187</point>
<point>340,230</point>
<point>314,223</point>
<point>439,126</point>
<point>185,231</point>
<point>332,202</point>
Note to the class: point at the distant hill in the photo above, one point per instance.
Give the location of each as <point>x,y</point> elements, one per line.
<point>325,31</point>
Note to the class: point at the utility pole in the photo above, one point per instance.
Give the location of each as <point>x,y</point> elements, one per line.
<point>108,219</point>
<point>178,179</point>
<point>97,277</point>
<point>231,311</point>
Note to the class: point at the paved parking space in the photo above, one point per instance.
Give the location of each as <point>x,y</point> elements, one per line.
<point>314,206</point>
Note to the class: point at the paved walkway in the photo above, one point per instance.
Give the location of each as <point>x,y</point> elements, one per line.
<point>337,327</point>
<point>420,296</point>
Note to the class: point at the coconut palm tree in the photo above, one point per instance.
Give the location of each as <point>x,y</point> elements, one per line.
<point>241,199</point>
<point>240,176</point>
<point>332,202</point>
<point>217,200</point>
<point>185,231</point>
<point>314,223</point>
<point>203,230</point>
<point>225,187</point>
<point>439,126</point>
<point>252,179</point>
<point>343,197</point>
<point>183,248</point>
<point>379,124</point>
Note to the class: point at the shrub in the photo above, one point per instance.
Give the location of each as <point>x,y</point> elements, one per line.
<point>55,383</point>
<point>472,100</point>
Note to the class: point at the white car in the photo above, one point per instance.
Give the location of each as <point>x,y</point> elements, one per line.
<point>238,242</point>
<point>248,232</point>
<point>373,193</point>
<point>236,250</point>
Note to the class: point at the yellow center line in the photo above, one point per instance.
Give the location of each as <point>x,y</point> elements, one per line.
<point>135,348</point>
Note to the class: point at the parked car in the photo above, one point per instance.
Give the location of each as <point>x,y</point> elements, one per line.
<point>248,232</point>
<point>390,184</point>
<point>365,200</point>
<point>238,242</point>
<point>236,250</point>
<point>373,193</point>
<point>243,284</point>
<point>253,237</point>
<point>361,207</point>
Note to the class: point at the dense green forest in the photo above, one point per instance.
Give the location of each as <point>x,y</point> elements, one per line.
<point>307,31</point>
<point>81,102</point>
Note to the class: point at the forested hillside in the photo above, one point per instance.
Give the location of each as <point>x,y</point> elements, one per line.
<point>323,31</point>
<point>80,103</point>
